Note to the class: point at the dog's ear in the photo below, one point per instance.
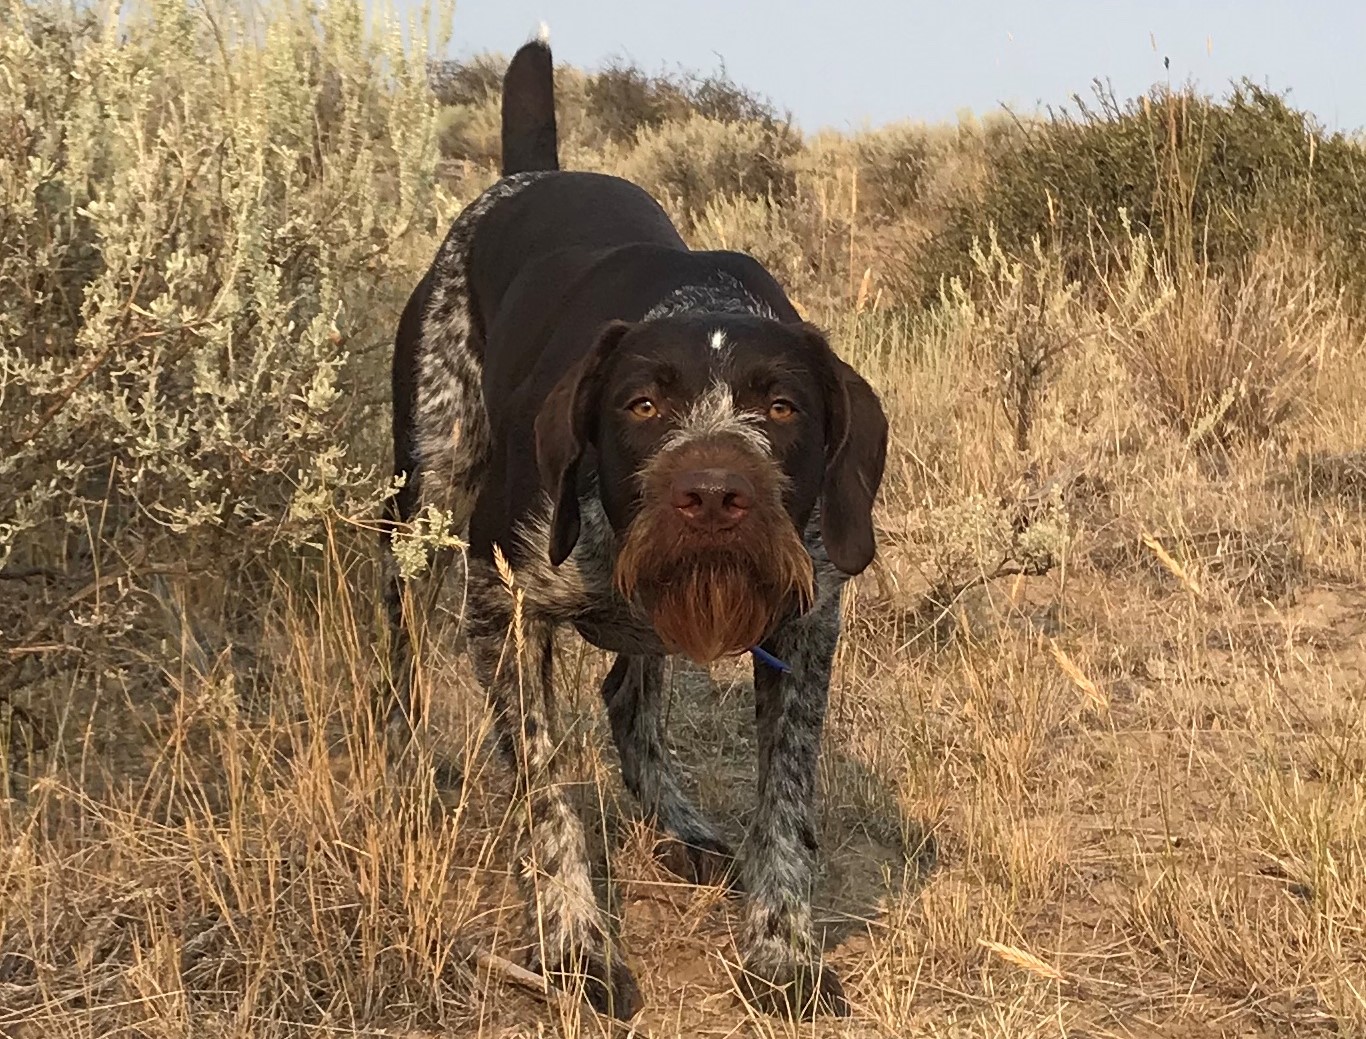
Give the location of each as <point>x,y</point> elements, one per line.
<point>565,425</point>
<point>855,454</point>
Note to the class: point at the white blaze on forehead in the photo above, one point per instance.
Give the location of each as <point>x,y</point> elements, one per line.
<point>713,415</point>
<point>718,340</point>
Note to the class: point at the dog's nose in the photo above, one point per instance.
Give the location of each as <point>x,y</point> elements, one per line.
<point>712,499</point>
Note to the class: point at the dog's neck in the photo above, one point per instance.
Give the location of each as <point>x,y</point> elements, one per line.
<point>718,293</point>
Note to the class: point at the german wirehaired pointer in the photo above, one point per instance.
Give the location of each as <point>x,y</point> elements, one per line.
<point>671,461</point>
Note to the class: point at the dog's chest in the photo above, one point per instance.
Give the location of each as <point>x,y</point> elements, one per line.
<point>619,632</point>
<point>580,591</point>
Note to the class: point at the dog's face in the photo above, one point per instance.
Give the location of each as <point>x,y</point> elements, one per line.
<point>715,438</point>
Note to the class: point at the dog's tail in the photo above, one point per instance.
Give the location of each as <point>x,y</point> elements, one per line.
<point>529,138</point>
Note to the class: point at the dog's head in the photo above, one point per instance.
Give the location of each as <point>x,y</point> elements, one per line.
<point>715,437</point>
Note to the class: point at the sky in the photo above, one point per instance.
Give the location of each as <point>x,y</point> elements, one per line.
<point>848,64</point>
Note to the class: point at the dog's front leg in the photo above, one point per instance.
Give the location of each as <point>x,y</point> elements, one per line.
<point>514,664</point>
<point>783,969</point>
<point>635,696</point>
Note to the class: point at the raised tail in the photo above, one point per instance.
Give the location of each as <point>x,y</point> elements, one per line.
<point>530,141</point>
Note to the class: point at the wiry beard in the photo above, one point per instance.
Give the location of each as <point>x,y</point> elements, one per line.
<point>713,598</point>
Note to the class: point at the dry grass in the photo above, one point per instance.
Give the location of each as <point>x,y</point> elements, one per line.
<point>1096,759</point>
<point>1122,792</point>
<point>1224,360</point>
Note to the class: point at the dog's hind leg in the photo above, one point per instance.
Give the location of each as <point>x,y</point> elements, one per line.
<point>513,659</point>
<point>635,696</point>
<point>441,428</point>
<point>450,487</point>
<point>409,605</point>
<point>441,448</point>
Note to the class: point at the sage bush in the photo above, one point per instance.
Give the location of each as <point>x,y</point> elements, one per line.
<point>210,216</point>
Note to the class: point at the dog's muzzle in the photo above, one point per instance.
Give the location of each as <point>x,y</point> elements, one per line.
<point>712,556</point>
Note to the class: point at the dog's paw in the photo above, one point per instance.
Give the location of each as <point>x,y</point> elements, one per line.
<point>800,991</point>
<point>705,860</point>
<point>608,985</point>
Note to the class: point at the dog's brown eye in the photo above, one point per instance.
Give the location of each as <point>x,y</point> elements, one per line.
<point>643,408</point>
<point>781,410</point>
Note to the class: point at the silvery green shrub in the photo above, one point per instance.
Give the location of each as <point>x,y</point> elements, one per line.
<point>210,216</point>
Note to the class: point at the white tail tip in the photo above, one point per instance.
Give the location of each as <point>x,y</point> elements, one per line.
<point>543,34</point>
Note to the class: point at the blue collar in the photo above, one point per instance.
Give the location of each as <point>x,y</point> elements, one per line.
<point>765,657</point>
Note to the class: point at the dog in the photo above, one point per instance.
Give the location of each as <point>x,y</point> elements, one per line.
<point>647,443</point>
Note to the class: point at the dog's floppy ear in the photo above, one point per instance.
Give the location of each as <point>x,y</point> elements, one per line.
<point>855,454</point>
<point>566,423</point>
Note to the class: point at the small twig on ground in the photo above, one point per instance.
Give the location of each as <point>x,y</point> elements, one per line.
<point>509,971</point>
<point>536,984</point>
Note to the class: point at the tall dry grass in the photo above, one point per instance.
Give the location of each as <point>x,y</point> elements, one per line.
<point>1096,760</point>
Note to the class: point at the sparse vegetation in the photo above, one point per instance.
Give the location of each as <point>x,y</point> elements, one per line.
<point>1096,761</point>
<point>1203,178</point>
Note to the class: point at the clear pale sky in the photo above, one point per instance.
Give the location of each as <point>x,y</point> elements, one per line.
<point>847,63</point>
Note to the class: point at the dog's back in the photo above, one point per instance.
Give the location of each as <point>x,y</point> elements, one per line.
<point>530,141</point>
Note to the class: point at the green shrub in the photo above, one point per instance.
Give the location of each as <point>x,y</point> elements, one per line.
<point>623,101</point>
<point>471,133</point>
<point>893,164</point>
<point>700,159</point>
<point>476,81</point>
<point>1022,320</point>
<point>599,113</point>
<point>1205,180</point>
<point>209,219</point>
